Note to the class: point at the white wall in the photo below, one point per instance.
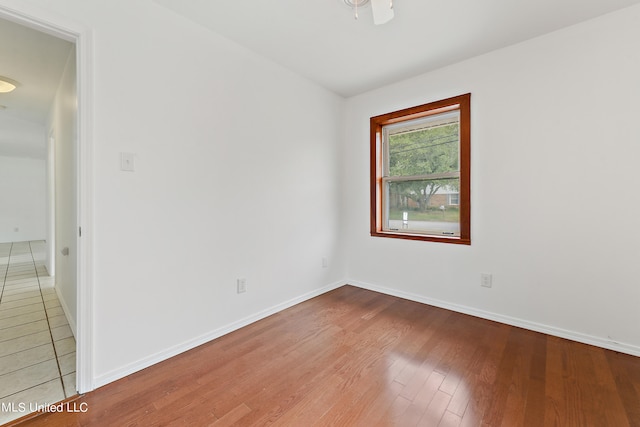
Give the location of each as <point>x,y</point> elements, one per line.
<point>22,198</point>
<point>236,176</point>
<point>241,172</point>
<point>555,147</point>
<point>22,180</point>
<point>63,127</point>
<point>21,138</point>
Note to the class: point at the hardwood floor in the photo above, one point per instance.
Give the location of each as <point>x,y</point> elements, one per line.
<point>353,357</point>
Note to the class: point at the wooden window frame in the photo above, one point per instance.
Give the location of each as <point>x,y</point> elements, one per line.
<point>461,103</point>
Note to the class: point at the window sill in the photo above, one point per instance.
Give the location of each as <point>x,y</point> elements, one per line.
<point>422,237</point>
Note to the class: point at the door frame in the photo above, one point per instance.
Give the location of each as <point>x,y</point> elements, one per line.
<point>67,29</point>
<point>50,261</point>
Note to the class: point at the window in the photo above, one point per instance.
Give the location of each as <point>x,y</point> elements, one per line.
<point>420,172</point>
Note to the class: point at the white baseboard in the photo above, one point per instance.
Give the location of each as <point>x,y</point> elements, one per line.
<point>513,321</point>
<point>190,344</point>
<point>67,312</point>
<point>122,372</point>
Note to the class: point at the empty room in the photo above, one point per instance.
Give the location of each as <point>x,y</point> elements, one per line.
<point>343,212</point>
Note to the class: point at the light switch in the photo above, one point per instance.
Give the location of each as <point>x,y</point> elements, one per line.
<point>126,162</point>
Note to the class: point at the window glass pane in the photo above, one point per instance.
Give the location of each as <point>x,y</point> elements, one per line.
<point>423,207</point>
<point>424,146</point>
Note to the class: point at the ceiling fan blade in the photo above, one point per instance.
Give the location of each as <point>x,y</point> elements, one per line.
<point>382,11</point>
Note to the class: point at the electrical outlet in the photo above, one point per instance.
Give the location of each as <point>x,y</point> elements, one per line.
<point>242,285</point>
<point>325,262</point>
<point>486,280</point>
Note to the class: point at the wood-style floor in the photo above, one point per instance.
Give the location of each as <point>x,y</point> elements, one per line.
<point>353,357</point>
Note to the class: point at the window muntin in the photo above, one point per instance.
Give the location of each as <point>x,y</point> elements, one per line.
<point>420,172</point>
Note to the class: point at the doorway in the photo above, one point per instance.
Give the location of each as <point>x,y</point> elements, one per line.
<point>67,135</point>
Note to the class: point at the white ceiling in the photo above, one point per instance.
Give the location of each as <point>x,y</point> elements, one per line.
<point>35,60</point>
<point>321,40</point>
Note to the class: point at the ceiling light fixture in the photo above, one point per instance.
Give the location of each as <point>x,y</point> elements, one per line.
<point>355,4</point>
<point>7,85</point>
<point>382,9</point>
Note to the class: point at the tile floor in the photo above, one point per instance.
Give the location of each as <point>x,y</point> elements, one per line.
<point>37,348</point>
